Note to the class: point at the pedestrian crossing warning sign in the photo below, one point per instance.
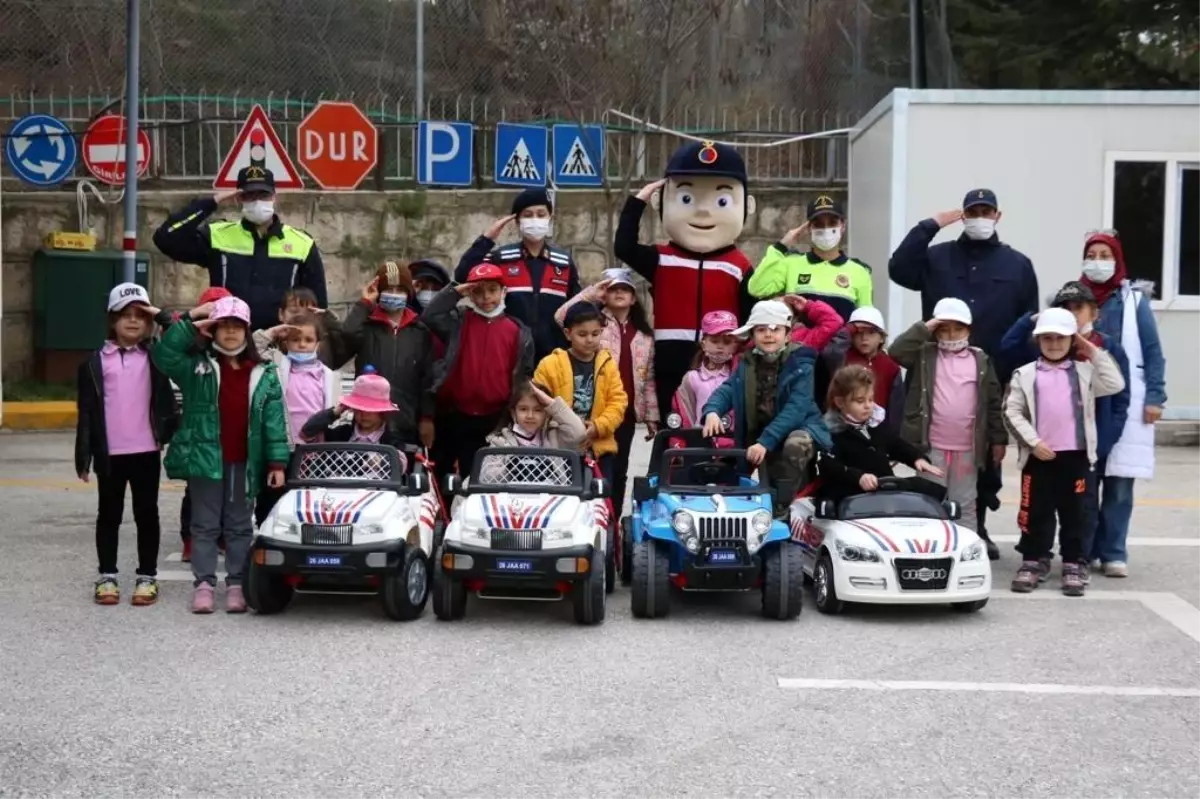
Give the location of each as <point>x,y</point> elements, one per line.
<point>578,164</point>
<point>521,154</point>
<point>578,155</point>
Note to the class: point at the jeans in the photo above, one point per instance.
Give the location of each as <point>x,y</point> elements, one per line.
<point>140,472</point>
<point>220,507</point>
<point>1112,524</point>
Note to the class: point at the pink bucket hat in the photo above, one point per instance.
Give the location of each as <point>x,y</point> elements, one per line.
<point>225,308</point>
<point>715,323</point>
<point>371,393</point>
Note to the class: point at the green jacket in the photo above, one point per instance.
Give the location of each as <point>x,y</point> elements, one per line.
<point>195,451</point>
<point>844,283</point>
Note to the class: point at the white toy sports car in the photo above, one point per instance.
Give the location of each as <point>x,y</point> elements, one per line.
<point>890,547</point>
<point>528,524</point>
<point>350,521</point>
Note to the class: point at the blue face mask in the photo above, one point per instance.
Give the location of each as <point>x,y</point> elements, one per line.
<point>393,302</point>
<point>302,357</point>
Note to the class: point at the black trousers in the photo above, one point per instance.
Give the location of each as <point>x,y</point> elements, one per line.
<point>265,501</point>
<point>459,437</point>
<point>987,493</point>
<point>1049,490</point>
<point>672,360</point>
<point>141,473</point>
<point>185,516</point>
<point>616,467</point>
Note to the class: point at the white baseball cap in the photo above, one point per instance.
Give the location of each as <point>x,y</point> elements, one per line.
<point>126,294</point>
<point>767,313</point>
<point>868,316</point>
<point>1056,321</point>
<point>952,309</point>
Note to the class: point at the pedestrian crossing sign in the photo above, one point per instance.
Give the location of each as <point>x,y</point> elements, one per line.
<point>578,155</point>
<point>521,154</point>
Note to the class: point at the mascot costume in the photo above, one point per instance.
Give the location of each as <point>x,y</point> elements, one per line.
<point>703,204</point>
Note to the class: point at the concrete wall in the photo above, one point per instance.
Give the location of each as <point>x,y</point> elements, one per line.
<point>355,232</point>
<point>871,167</point>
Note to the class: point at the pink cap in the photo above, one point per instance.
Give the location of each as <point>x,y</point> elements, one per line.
<point>371,393</point>
<point>230,308</point>
<point>715,323</point>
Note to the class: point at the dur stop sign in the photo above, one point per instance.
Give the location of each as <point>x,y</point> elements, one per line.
<point>338,145</point>
<point>104,150</point>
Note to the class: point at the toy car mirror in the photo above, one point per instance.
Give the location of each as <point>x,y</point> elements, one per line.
<point>953,510</point>
<point>643,491</point>
<point>452,484</point>
<point>417,482</point>
<point>674,421</point>
<point>826,509</point>
<point>600,488</point>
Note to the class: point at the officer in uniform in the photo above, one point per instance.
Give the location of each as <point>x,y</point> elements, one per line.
<point>539,277</point>
<point>257,258</point>
<point>824,272</point>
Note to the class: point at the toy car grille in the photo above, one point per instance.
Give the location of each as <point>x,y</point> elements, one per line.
<point>318,534</point>
<point>517,539</point>
<point>531,470</point>
<point>334,464</point>
<point>723,528</point>
<point>923,574</point>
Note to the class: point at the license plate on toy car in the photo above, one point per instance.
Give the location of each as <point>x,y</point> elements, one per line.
<point>324,560</point>
<point>723,556</point>
<point>506,565</point>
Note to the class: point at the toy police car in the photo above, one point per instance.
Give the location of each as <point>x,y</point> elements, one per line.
<point>700,523</point>
<point>529,523</point>
<point>350,521</point>
<point>890,546</point>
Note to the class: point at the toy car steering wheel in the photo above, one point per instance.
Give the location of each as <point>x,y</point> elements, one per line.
<point>890,484</point>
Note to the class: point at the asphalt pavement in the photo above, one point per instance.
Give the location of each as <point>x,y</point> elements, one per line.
<point>1036,695</point>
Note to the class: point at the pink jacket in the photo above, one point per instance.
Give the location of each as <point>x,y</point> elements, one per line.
<point>824,325</point>
<point>645,396</point>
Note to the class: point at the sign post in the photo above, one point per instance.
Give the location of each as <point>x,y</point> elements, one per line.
<point>338,145</point>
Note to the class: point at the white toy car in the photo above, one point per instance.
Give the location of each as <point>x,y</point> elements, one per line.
<point>890,546</point>
<point>528,524</point>
<point>350,521</point>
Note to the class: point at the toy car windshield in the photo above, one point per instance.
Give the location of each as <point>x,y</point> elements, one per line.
<point>883,504</point>
<point>703,469</point>
<point>527,470</point>
<point>374,466</point>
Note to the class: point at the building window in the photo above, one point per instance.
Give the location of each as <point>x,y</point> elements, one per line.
<point>1153,202</point>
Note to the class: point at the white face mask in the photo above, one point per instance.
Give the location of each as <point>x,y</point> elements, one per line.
<point>1099,271</point>
<point>979,229</point>
<point>954,346</point>
<point>258,212</point>
<point>1085,329</point>
<point>535,229</point>
<point>425,297</point>
<point>492,314</point>
<point>827,239</point>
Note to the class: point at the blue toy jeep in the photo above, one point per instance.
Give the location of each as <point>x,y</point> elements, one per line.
<point>701,523</point>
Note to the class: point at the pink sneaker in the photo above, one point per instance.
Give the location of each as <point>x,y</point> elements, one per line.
<point>235,600</point>
<point>202,599</point>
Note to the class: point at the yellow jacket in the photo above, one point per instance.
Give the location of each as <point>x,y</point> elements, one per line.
<point>608,407</point>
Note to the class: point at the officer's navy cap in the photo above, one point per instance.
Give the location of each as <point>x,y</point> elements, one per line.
<point>707,158</point>
<point>980,197</point>
<point>824,204</point>
<point>255,178</point>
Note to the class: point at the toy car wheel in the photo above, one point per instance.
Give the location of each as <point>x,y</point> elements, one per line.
<point>449,595</point>
<point>970,607</point>
<point>610,562</point>
<point>783,582</point>
<point>824,590</point>
<point>626,552</point>
<point>439,534</point>
<point>406,590</point>
<point>651,585</point>
<point>588,596</point>
<point>266,593</point>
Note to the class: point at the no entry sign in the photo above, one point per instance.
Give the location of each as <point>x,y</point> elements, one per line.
<point>338,145</point>
<point>104,149</point>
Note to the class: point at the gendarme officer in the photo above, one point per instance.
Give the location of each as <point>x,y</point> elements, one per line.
<point>258,258</point>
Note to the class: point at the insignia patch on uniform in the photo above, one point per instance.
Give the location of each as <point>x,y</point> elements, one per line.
<point>843,281</point>
<point>708,154</point>
<point>803,280</point>
<point>287,246</point>
<point>558,271</point>
<point>514,270</point>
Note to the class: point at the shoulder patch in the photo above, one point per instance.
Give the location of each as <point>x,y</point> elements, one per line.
<point>303,233</point>
<point>863,265</point>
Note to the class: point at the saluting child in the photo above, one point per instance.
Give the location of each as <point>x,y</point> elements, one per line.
<point>860,343</point>
<point>127,414</point>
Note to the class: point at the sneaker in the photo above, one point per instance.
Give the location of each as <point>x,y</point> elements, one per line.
<point>1072,580</point>
<point>1117,568</point>
<point>107,591</point>
<point>186,557</point>
<point>235,600</point>
<point>202,599</point>
<point>145,591</point>
<point>1045,564</point>
<point>1028,577</point>
<point>1085,573</point>
<point>1095,564</point>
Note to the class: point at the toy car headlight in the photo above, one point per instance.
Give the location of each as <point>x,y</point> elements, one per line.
<point>761,522</point>
<point>284,528</point>
<point>563,534</point>
<point>683,522</point>
<point>853,553</point>
<point>474,532</point>
<point>372,529</point>
<point>973,552</point>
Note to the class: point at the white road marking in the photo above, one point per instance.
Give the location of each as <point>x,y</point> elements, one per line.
<point>180,576</point>
<point>795,683</point>
<point>1142,541</point>
<point>1171,608</point>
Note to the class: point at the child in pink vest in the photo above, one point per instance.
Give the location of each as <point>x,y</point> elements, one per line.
<point>711,367</point>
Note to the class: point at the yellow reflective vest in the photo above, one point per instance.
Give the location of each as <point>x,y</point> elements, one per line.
<point>844,283</point>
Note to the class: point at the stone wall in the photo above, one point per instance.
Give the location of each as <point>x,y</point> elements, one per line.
<point>355,231</point>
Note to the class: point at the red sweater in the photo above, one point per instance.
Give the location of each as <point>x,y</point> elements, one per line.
<point>233,404</point>
<point>886,373</point>
<point>481,381</point>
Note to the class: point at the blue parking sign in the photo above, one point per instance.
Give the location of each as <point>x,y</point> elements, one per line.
<point>521,154</point>
<point>445,153</point>
<point>41,150</point>
<point>579,155</point>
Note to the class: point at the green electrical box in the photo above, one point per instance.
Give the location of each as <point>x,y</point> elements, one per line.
<point>70,305</point>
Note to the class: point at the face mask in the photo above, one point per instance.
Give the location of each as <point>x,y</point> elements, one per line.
<point>258,212</point>
<point>1085,329</point>
<point>535,229</point>
<point>717,357</point>
<point>769,357</point>
<point>827,239</point>
<point>426,297</point>
<point>233,353</point>
<point>979,229</point>
<point>954,346</point>
<point>1099,271</point>
<point>393,302</point>
<point>492,314</point>
<point>302,357</point>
